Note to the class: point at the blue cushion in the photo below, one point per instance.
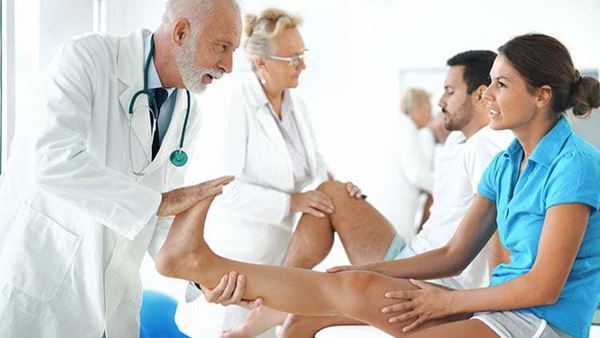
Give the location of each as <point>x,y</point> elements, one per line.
<point>157,316</point>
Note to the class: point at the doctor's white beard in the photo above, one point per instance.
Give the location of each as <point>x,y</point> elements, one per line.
<point>191,74</point>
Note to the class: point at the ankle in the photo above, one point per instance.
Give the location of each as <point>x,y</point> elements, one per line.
<point>181,264</point>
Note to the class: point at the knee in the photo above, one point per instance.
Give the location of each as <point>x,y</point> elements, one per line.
<point>333,188</point>
<point>352,285</point>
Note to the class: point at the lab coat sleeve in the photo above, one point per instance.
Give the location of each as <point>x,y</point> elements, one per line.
<point>415,164</point>
<point>64,165</point>
<point>242,196</point>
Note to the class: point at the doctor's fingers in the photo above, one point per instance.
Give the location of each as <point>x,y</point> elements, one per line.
<point>229,289</point>
<point>319,207</point>
<point>353,190</point>
<point>179,200</point>
<point>220,181</point>
<point>312,211</point>
<point>213,295</point>
<point>319,200</point>
<point>238,293</point>
<point>199,195</point>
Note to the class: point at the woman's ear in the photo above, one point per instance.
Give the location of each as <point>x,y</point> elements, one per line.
<point>543,96</point>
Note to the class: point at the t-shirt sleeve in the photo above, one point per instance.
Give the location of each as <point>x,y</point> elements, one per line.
<point>487,184</point>
<point>574,178</point>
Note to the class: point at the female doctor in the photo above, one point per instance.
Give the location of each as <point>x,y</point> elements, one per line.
<point>270,149</point>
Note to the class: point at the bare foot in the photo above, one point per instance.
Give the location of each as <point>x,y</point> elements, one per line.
<point>185,248</point>
<point>258,321</point>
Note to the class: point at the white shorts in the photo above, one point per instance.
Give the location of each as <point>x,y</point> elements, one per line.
<point>513,324</point>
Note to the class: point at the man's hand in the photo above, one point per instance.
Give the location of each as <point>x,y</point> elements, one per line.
<point>313,202</point>
<point>230,291</point>
<point>179,200</point>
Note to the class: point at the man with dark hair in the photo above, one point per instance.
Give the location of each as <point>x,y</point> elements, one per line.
<point>477,65</point>
<point>467,152</point>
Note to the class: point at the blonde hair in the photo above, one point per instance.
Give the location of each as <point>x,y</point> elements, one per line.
<point>412,96</point>
<point>260,31</point>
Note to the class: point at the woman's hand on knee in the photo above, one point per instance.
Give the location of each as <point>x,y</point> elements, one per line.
<point>418,306</point>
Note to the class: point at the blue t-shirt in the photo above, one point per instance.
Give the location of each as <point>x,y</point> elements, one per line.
<point>563,168</point>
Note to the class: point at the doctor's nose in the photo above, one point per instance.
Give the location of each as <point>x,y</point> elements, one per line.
<point>226,64</point>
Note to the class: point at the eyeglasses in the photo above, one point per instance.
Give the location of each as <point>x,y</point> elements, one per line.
<point>292,61</point>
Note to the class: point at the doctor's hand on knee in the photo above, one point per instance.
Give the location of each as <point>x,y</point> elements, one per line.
<point>229,291</point>
<point>354,191</point>
<point>179,200</point>
<point>312,202</point>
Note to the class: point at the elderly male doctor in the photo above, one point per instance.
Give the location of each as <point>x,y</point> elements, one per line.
<point>99,184</point>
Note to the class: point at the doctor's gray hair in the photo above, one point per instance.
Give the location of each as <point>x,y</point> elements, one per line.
<point>261,29</point>
<point>195,11</point>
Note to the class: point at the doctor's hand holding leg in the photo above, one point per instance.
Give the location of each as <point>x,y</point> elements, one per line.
<point>179,200</point>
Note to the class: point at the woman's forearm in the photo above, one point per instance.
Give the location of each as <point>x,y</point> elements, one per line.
<point>521,292</point>
<point>429,265</point>
<point>474,231</point>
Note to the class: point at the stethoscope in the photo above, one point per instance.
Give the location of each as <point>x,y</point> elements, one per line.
<point>178,157</point>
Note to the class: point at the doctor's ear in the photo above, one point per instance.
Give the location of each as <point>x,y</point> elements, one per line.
<point>181,31</point>
<point>259,63</point>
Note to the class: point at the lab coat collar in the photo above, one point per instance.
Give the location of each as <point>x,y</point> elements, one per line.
<point>260,104</point>
<point>130,65</point>
<point>257,96</point>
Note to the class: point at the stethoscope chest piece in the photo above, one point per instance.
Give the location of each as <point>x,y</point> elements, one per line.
<point>179,158</point>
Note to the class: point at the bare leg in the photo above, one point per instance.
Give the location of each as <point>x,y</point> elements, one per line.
<point>357,294</point>
<point>366,236</point>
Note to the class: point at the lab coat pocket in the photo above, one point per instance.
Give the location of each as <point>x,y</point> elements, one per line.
<point>38,254</point>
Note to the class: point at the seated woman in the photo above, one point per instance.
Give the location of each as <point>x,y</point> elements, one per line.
<point>542,194</point>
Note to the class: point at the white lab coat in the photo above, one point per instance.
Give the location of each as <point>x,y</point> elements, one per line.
<point>75,221</point>
<point>251,220</point>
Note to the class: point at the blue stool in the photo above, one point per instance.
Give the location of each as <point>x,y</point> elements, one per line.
<point>157,316</point>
